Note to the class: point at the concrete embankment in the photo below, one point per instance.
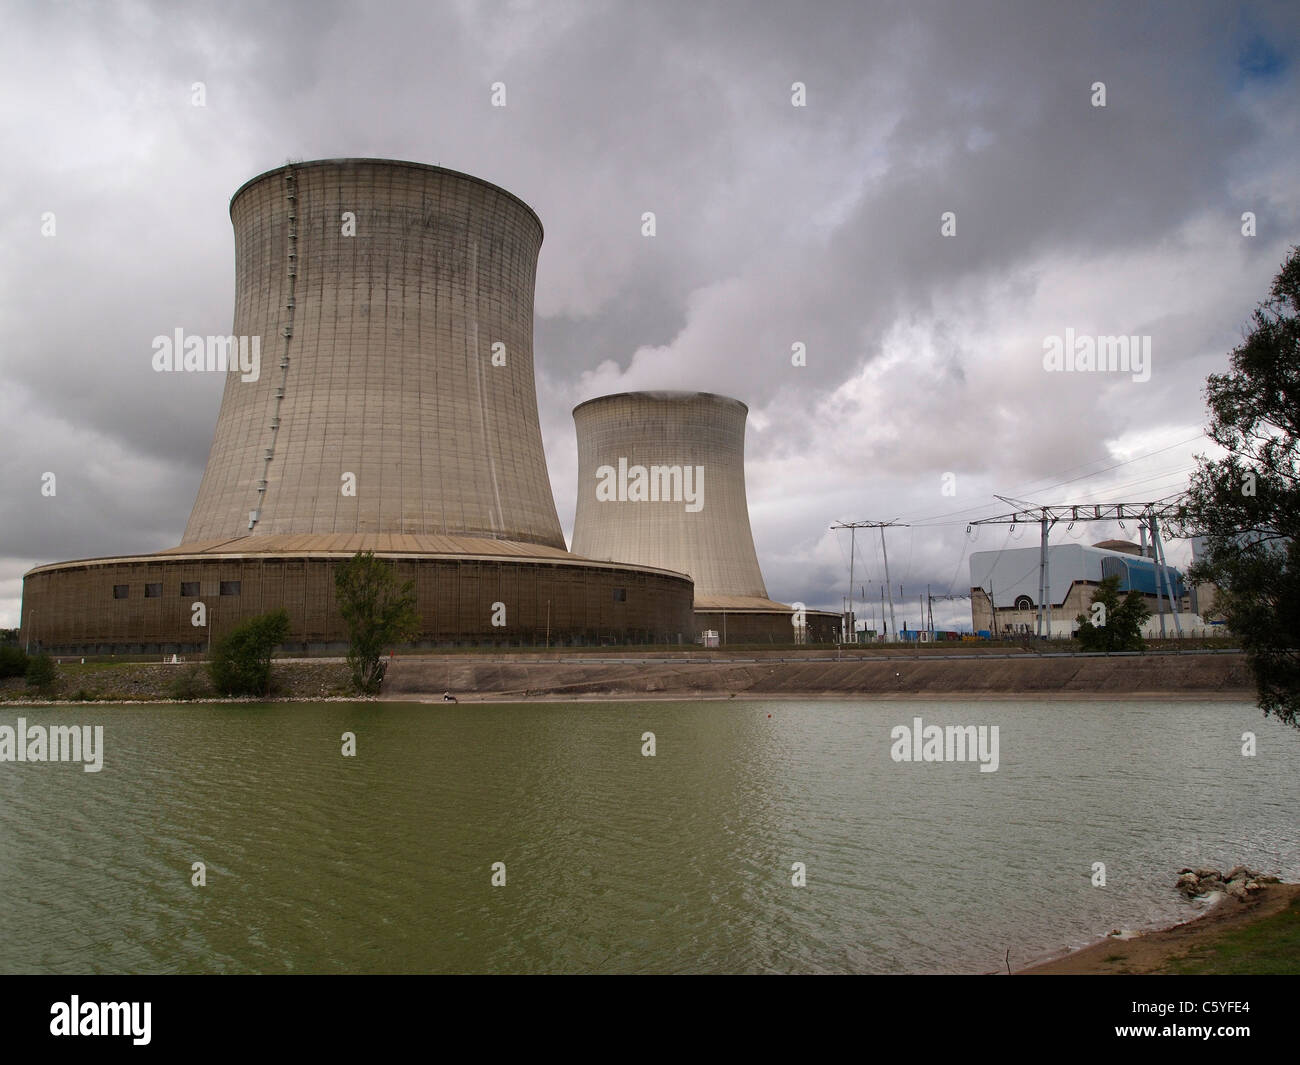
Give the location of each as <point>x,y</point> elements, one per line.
<point>697,675</point>
<point>472,677</point>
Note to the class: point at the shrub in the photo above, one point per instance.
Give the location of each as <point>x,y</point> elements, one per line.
<point>241,660</point>
<point>188,684</point>
<point>13,661</point>
<point>40,672</point>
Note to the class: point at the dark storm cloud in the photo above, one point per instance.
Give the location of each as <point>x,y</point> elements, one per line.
<point>776,224</point>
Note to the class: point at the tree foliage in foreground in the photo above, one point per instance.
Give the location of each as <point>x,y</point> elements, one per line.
<point>1247,503</point>
<point>378,613</point>
<point>241,660</point>
<point>1119,625</point>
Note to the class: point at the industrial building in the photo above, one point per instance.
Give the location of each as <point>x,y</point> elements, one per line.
<point>1204,595</point>
<point>1005,585</point>
<point>394,410</point>
<point>661,483</point>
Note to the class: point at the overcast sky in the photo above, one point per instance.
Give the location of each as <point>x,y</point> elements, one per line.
<point>776,225</point>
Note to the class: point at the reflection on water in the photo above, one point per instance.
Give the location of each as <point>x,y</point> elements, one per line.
<point>614,861</point>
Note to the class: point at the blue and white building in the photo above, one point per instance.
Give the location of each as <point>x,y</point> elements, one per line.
<point>1005,586</point>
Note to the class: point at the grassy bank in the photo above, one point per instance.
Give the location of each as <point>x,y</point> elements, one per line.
<point>1267,946</point>
<point>1254,938</point>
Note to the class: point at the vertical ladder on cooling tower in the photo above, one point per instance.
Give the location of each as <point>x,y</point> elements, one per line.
<point>286,333</point>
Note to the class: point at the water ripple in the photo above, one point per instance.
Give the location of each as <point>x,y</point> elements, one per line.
<point>617,862</point>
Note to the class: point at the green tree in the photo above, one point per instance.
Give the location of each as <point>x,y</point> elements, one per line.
<point>1246,504</point>
<point>377,611</point>
<point>40,672</point>
<point>241,660</point>
<point>1119,623</point>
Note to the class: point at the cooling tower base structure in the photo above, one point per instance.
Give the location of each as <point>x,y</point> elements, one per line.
<point>143,604</point>
<point>739,619</point>
<point>393,409</point>
<point>661,482</point>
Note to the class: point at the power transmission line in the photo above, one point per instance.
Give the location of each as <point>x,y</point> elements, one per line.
<point>854,526</point>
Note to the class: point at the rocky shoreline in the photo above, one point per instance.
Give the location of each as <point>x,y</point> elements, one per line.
<point>1238,883</point>
<point>166,682</point>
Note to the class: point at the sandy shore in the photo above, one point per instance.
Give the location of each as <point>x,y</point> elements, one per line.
<point>1152,951</point>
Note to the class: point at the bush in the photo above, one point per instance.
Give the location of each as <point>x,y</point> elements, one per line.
<point>241,660</point>
<point>40,672</point>
<point>13,661</point>
<point>189,684</point>
<point>1118,625</point>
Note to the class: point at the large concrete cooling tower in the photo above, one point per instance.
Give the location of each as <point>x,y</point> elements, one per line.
<point>661,482</point>
<point>395,307</point>
<point>392,409</point>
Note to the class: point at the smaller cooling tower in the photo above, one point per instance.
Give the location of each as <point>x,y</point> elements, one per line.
<point>661,475</point>
<point>661,482</point>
